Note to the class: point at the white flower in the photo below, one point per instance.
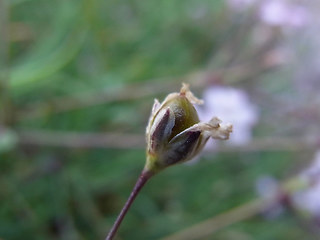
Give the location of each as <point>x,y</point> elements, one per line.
<point>281,13</point>
<point>268,188</point>
<point>309,199</point>
<point>313,171</point>
<point>233,106</point>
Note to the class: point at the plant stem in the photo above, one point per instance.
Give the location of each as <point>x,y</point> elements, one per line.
<point>143,178</point>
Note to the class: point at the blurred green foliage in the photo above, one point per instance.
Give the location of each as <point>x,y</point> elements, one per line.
<point>73,48</point>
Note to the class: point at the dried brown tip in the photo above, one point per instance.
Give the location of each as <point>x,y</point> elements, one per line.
<point>185,91</point>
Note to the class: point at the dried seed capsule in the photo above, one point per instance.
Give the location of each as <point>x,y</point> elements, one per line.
<point>174,133</point>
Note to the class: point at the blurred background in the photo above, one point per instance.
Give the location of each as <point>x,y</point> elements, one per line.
<point>77,83</point>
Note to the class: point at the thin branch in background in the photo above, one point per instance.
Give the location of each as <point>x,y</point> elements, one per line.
<point>240,213</point>
<point>208,227</point>
<point>66,104</point>
<point>137,141</point>
<point>198,79</point>
<point>81,140</point>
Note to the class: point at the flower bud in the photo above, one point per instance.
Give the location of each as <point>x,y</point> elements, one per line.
<point>174,133</point>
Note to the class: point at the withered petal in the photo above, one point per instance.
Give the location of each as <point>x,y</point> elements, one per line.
<point>161,129</point>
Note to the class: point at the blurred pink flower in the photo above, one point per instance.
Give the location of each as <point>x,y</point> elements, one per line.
<point>232,105</point>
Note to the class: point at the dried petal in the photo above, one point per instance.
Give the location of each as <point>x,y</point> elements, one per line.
<point>155,108</point>
<point>161,130</point>
<point>215,129</point>
<point>189,95</point>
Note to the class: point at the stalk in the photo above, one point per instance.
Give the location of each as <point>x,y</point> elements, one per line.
<point>143,178</point>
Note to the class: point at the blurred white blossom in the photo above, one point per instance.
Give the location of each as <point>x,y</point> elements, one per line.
<point>283,13</point>
<point>313,171</point>
<point>232,105</point>
<point>268,188</point>
<point>309,199</point>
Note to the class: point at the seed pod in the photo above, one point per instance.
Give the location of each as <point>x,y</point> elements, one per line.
<point>174,133</point>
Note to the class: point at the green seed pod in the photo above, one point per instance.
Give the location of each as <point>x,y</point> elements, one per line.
<point>174,133</point>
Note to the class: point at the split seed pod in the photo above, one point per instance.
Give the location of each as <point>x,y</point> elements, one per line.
<point>174,133</point>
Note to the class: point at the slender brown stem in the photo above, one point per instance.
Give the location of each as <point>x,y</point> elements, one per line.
<point>143,178</point>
